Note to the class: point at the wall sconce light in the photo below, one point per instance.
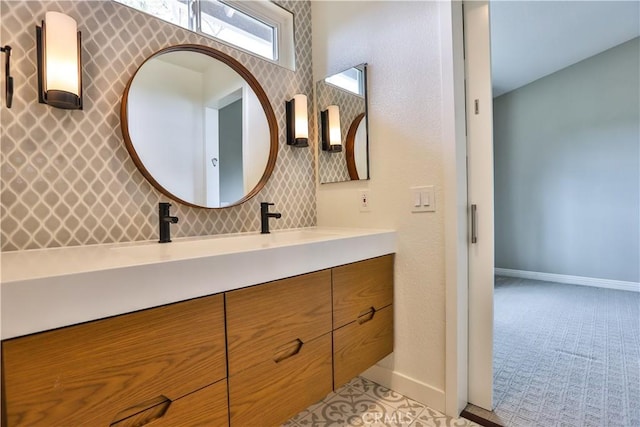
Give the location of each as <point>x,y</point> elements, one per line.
<point>331,133</point>
<point>297,122</point>
<point>8,82</point>
<point>58,44</point>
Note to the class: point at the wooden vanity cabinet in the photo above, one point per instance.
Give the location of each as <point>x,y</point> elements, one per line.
<point>358,346</point>
<point>279,346</point>
<point>362,316</point>
<point>206,407</point>
<point>116,370</point>
<point>360,286</point>
<point>270,392</point>
<point>286,345</point>
<point>203,408</point>
<point>266,320</point>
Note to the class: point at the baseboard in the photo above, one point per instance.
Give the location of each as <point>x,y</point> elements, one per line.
<point>572,280</point>
<point>410,387</point>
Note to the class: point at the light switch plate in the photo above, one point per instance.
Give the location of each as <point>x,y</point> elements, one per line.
<point>423,199</point>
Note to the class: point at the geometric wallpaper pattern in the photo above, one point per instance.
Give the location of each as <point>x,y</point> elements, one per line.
<point>332,167</point>
<point>66,176</point>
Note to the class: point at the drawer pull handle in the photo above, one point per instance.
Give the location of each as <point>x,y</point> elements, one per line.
<point>142,413</point>
<point>288,350</point>
<point>366,315</point>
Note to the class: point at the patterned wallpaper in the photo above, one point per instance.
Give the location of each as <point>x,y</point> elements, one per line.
<point>332,167</point>
<point>67,178</point>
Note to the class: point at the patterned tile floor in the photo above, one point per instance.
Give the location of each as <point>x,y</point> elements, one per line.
<point>361,402</point>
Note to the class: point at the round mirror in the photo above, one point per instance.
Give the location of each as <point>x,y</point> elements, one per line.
<point>356,149</point>
<point>199,127</point>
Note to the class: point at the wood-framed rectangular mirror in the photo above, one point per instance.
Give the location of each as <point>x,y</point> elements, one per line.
<point>348,91</point>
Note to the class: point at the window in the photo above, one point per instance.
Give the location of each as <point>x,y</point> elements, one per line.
<point>259,26</point>
<point>351,80</point>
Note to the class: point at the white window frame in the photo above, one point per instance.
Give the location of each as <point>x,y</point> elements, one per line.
<point>276,17</point>
<point>265,11</point>
<point>359,82</point>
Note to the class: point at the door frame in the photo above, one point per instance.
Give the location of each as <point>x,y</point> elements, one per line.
<point>455,206</point>
<point>457,241</point>
<point>479,101</point>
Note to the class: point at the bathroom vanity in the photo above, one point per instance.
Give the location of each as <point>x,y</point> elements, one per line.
<point>294,315</point>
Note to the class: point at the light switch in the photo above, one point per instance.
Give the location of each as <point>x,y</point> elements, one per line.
<point>423,199</point>
<point>417,199</point>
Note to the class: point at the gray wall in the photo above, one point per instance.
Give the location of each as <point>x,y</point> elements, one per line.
<point>567,170</point>
<point>230,127</point>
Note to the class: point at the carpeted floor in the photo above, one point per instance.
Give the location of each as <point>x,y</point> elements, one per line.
<point>566,355</point>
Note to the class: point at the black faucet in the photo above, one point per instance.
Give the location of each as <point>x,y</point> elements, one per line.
<point>165,220</point>
<point>265,215</point>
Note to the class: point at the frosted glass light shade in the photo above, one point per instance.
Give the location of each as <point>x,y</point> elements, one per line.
<point>302,121</point>
<point>61,53</point>
<point>59,67</point>
<point>297,121</point>
<point>331,132</point>
<point>335,134</point>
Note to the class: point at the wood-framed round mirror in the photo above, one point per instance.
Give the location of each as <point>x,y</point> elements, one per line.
<point>356,149</point>
<point>199,127</point>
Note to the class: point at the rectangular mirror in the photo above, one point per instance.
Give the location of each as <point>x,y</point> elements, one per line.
<point>341,105</point>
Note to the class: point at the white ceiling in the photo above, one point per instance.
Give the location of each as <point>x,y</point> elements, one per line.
<point>531,39</point>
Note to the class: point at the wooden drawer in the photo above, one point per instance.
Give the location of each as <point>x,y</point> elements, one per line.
<point>358,346</point>
<point>270,393</point>
<point>206,407</point>
<point>95,373</point>
<point>360,286</point>
<point>264,321</point>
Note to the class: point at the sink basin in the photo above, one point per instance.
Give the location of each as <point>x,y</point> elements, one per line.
<point>228,243</point>
<point>50,288</point>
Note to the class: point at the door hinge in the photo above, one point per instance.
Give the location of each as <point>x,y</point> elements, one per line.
<point>477,106</point>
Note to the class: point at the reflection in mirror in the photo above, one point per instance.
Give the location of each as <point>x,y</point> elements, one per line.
<point>199,127</point>
<point>356,148</point>
<point>347,90</point>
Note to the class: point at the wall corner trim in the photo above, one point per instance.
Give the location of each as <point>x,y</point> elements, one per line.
<point>424,393</point>
<point>572,280</point>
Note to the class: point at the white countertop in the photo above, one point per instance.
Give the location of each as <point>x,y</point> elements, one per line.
<point>48,288</point>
